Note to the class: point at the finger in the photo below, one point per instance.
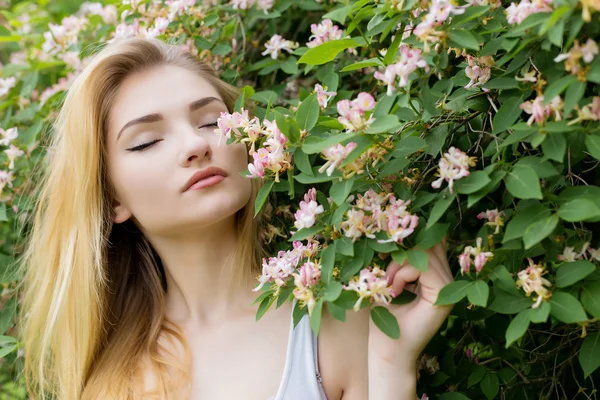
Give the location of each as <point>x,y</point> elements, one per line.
<point>405,275</point>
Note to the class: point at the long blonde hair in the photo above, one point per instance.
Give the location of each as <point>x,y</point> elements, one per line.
<point>93,291</point>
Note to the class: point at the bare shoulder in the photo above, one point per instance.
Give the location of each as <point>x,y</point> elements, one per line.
<point>343,353</point>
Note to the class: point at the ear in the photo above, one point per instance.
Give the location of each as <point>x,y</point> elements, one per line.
<point>120,213</point>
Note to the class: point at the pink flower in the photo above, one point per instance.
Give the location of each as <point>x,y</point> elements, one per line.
<point>276,44</point>
<point>372,284</point>
<point>310,273</point>
<point>480,257</point>
<point>569,254</point>
<point>352,112</point>
<point>6,178</point>
<point>478,74</point>
<point>335,155</point>
<point>453,165</point>
<point>408,62</point>
<point>323,96</point>
<point>515,14</point>
<point>8,135</point>
<point>6,84</point>
<point>13,152</point>
<point>494,218</point>
<point>323,32</point>
<point>531,280</point>
<point>540,112</point>
<point>309,209</point>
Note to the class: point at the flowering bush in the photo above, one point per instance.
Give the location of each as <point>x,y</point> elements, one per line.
<point>381,126</point>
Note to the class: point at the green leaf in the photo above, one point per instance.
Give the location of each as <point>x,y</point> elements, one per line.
<point>572,272</point>
<point>265,304</point>
<point>526,215</point>
<point>463,38</point>
<point>506,116</point>
<point>336,311</point>
<point>418,259</point>
<point>439,208</point>
<point>592,142</point>
<point>578,210</point>
<point>472,183</point>
<point>4,351</point>
<point>590,297</point>
<point>333,290</point>
<point>340,190</point>
<point>539,230</point>
<point>508,303</point>
<point>245,93</point>
<point>409,145</point>
<point>523,183</point>
<point>517,327</point>
<point>555,146</point>
<point>384,124</point>
<point>308,112</point>
<point>540,315</point>
<point>490,385</point>
<point>589,354</point>
<point>392,51</point>
<point>3,216</point>
<point>543,168</point>
<point>315,316</point>
<point>574,93</point>
<point>478,293</point>
<point>305,233</point>
<point>469,14</point>
<point>453,292</point>
<point>385,321</point>
<point>429,237</point>
<point>371,62</point>
<point>302,162</point>
<point>476,376</point>
<point>313,144</point>
<point>327,263</point>
<point>556,87</point>
<point>394,166</point>
<point>326,52</point>
<point>262,195</point>
<point>566,308</point>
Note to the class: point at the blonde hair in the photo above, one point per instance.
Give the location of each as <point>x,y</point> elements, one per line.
<point>93,291</point>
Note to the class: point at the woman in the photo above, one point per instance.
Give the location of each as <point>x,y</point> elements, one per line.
<point>143,254</point>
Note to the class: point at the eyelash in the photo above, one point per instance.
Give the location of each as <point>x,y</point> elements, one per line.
<point>146,145</point>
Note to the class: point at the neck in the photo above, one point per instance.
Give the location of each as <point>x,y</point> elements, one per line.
<point>204,285</point>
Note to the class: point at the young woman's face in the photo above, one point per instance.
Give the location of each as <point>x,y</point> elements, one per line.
<point>150,181</point>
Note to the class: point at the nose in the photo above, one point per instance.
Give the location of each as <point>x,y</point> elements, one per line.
<point>196,147</point>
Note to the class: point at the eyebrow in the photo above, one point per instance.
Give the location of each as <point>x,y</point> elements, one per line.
<point>195,105</point>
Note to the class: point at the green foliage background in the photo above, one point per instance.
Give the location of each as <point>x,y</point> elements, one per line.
<point>543,177</point>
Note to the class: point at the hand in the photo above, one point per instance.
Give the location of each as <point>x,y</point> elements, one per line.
<point>420,319</point>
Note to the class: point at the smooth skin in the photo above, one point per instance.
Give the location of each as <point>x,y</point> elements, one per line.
<point>233,355</point>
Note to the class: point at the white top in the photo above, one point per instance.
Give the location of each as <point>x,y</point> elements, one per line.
<point>301,379</point>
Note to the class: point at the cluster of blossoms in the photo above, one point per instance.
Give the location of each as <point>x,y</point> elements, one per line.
<point>587,7</point>
<point>6,138</point>
<point>371,284</point>
<point>587,52</point>
<point>453,165</point>
<point>309,209</point>
<point>379,212</point>
<point>6,84</point>
<point>587,253</point>
<point>516,13</point>
<point>61,37</point>
<point>428,363</point>
<point>438,12</point>
<point>335,155</point>
<point>479,258</point>
<point>590,111</point>
<point>277,44</point>
<point>323,96</point>
<point>409,61</point>
<point>532,281</point>
<point>108,12</point>
<point>306,278</point>
<point>273,156</point>
<point>540,112</point>
<point>352,113</point>
<point>478,71</point>
<point>324,32</point>
<point>263,5</point>
<point>494,218</point>
<point>278,269</point>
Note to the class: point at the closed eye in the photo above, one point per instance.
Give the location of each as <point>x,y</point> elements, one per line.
<point>146,145</point>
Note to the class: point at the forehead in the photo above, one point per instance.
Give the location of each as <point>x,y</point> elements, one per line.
<point>164,89</point>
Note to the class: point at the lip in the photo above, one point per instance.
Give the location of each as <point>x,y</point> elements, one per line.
<point>202,175</point>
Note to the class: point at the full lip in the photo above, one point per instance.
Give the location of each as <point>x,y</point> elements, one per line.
<point>212,170</point>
